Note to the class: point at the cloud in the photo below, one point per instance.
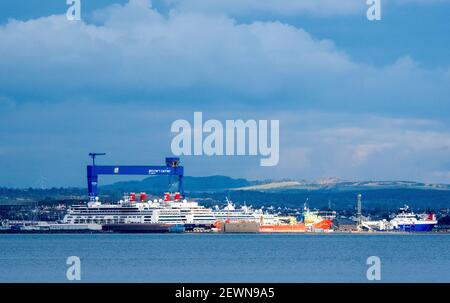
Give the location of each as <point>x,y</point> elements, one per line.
<point>315,8</point>
<point>369,147</point>
<point>115,84</point>
<point>363,152</point>
<point>191,59</point>
<point>288,8</point>
<point>279,7</point>
<point>53,140</point>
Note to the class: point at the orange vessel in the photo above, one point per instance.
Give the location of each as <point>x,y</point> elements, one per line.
<point>324,224</point>
<point>318,220</point>
<point>283,228</point>
<point>291,226</point>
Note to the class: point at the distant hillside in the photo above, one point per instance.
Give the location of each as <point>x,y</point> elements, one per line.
<point>211,190</point>
<point>191,184</point>
<point>339,185</point>
<point>339,194</point>
<point>375,199</point>
<point>224,183</point>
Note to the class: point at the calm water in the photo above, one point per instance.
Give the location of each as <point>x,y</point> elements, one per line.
<point>225,257</point>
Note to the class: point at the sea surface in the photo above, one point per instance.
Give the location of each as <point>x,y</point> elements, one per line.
<point>225,257</point>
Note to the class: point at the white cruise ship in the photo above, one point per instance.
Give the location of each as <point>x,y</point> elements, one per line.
<point>243,214</point>
<point>170,210</point>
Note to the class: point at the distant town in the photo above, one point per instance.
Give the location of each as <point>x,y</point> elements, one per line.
<point>287,198</point>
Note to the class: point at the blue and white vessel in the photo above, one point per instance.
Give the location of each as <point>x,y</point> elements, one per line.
<point>406,220</point>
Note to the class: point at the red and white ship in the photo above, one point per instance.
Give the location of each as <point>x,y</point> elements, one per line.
<point>316,220</point>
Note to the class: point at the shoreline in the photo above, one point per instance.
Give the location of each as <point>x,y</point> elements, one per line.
<point>85,232</point>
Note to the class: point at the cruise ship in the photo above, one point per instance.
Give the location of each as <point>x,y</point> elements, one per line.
<point>230,213</point>
<point>171,210</point>
<point>243,219</point>
<point>136,213</point>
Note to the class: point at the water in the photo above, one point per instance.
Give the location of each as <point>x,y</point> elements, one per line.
<point>224,257</point>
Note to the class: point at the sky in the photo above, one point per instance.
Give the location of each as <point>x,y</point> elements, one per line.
<point>356,99</point>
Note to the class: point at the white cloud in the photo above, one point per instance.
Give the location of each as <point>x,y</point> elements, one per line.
<point>35,137</point>
<point>363,152</point>
<point>364,147</point>
<point>138,49</point>
<point>71,72</point>
<point>135,52</point>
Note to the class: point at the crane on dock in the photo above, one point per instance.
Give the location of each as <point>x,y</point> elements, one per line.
<point>172,169</point>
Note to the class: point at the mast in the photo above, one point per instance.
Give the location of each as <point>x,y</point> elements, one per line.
<point>359,211</point>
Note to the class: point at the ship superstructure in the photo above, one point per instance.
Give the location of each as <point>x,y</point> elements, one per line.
<point>230,213</point>
<point>317,219</point>
<point>170,210</point>
<point>407,220</point>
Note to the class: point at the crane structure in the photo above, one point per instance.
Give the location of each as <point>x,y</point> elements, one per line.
<point>94,155</point>
<point>359,210</point>
<point>172,168</point>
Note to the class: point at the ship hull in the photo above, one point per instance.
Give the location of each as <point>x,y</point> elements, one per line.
<point>137,228</point>
<point>240,227</point>
<point>294,228</point>
<point>189,227</point>
<point>416,227</point>
<point>324,225</point>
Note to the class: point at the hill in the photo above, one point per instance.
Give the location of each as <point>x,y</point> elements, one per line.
<point>224,183</point>
<point>192,184</point>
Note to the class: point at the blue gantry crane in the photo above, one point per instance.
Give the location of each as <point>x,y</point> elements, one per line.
<point>172,168</point>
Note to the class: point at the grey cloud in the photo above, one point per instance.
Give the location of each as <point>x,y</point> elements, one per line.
<point>191,58</point>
